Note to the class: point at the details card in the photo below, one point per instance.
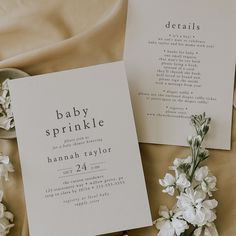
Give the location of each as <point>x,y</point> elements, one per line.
<point>180,60</point>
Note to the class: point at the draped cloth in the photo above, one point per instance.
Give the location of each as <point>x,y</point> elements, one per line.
<point>47,36</point>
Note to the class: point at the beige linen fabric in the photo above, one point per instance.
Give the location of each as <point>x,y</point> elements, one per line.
<point>40,36</point>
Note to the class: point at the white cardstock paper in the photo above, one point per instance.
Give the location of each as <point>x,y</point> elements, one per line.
<point>180,61</point>
<point>79,152</point>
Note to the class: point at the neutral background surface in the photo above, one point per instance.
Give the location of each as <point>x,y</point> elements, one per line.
<point>46,36</point>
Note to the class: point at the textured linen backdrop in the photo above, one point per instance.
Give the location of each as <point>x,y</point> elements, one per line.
<point>47,36</point>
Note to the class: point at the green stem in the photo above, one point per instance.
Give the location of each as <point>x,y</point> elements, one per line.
<point>191,233</point>
<point>196,162</point>
<point>196,187</point>
<point>194,169</point>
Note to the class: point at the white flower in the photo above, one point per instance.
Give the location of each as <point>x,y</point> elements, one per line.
<point>208,230</point>
<point>2,207</point>
<point>5,226</point>
<point>5,84</point>
<point>208,183</point>
<point>168,183</point>
<point>6,115</point>
<point>182,182</point>
<point>182,161</point>
<point>5,102</point>
<point>170,223</point>
<point>195,208</point>
<point>181,165</point>
<point>4,90</point>
<point>5,166</point>
<point>6,218</point>
<point>6,122</point>
<point>3,212</point>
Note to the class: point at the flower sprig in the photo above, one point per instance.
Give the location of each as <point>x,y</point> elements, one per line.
<point>193,184</point>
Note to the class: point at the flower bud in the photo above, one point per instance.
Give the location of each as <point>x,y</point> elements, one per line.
<point>196,141</point>
<point>189,140</point>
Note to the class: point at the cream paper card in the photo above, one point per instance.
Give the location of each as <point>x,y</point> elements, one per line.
<point>79,152</point>
<point>180,60</point>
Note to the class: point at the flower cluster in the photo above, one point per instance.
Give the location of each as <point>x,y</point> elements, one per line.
<point>193,184</point>
<point>6,217</point>
<point>6,122</point>
<point>6,116</point>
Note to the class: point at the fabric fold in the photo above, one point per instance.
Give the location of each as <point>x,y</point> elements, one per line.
<point>98,44</point>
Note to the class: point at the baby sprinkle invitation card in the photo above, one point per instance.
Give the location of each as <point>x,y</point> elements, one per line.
<point>79,153</point>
